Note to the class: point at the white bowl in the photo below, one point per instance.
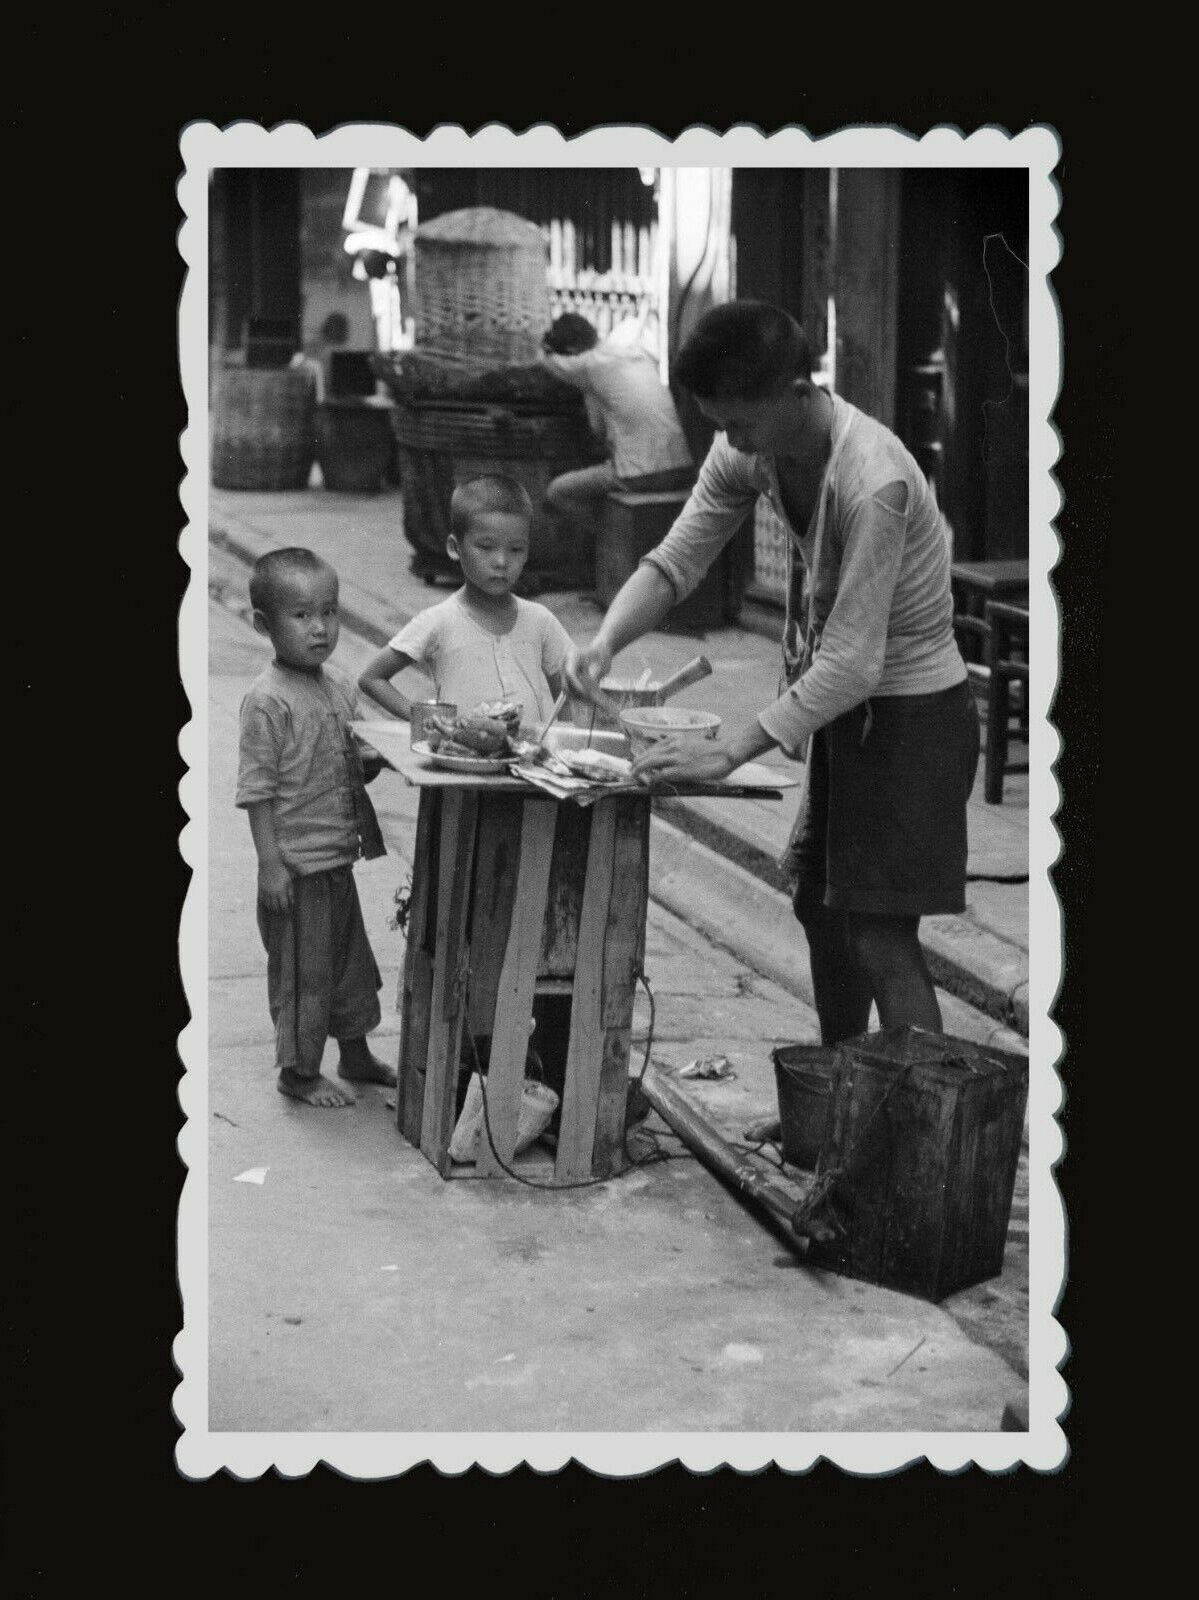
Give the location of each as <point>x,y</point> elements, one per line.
<point>647,724</point>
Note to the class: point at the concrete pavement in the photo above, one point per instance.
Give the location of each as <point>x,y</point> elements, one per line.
<point>354,1290</point>
<point>979,959</point>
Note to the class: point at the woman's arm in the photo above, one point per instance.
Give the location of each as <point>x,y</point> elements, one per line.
<point>639,606</point>
<point>375,682</point>
<point>708,762</point>
<point>715,510</point>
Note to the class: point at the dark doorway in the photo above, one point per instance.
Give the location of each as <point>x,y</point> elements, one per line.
<point>261,246</point>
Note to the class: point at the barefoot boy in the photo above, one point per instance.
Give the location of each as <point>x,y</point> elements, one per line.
<point>482,643</point>
<point>301,779</point>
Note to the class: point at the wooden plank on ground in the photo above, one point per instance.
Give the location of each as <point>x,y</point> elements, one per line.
<point>584,1055</point>
<point>623,946</point>
<point>417,974</point>
<point>514,998</point>
<point>459,810</point>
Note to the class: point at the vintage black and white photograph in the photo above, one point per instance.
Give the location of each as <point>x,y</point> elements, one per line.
<point>620,945</point>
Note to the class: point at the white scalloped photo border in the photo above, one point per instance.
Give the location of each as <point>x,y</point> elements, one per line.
<point>200,1452</point>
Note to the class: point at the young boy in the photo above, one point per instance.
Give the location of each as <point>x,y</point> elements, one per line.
<point>300,779</point>
<point>482,643</point>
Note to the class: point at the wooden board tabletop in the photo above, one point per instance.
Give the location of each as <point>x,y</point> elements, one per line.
<point>750,782</point>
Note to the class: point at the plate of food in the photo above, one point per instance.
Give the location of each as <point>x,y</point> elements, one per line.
<point>457,759</point>
<point>481,741</point>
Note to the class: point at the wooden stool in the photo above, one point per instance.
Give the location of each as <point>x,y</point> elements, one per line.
<point>630,527</point>
<point>973,584</point>
<point>1006,626</point>
<point>513,898</point>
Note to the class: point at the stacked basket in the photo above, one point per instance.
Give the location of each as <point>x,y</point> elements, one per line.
<point>481,292</point>
<point>471,397</point>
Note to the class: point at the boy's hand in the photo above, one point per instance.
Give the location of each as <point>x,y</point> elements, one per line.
<point>274,885</point>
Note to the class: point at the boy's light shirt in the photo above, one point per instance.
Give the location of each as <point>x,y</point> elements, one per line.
<point>293,752</point>
<point>469,664</point>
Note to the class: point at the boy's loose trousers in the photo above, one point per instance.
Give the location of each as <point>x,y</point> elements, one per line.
<point>322,978</point>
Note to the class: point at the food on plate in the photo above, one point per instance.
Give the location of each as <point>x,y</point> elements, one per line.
<point>489,731</point>
<point>478,735</point>
<point>596,765</point>
<point>509,712</point>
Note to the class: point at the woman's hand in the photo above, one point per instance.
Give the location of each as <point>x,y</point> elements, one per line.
<point>676,760</point>
<point>586,667</point>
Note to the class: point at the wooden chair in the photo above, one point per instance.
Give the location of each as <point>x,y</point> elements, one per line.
<point>1006,628</point>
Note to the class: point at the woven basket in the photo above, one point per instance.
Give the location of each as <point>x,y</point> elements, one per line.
<point>481,287</point>
<point>428,479</point>
<point>262,429</point>
<point>465,428</point>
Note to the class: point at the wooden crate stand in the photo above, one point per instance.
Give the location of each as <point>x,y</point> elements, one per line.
<point>514,897</point>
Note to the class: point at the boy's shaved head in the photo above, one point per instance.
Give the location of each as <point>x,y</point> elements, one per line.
<point>272,571</point>
<point>493,491</point>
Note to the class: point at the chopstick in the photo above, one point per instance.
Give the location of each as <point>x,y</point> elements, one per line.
<point>558,704</point>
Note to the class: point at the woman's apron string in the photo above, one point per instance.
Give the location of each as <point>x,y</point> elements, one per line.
<point>795,664</point>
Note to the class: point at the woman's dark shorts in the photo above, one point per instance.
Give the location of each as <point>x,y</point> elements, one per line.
<point>884,829</point>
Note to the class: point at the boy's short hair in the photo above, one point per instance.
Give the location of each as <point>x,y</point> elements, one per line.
<point>745,350</point>
<point>571,334</point>
<point>491,491</point>
<point>275,567</point>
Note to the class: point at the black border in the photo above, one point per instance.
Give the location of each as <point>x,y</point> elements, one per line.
<point>90,1424</point>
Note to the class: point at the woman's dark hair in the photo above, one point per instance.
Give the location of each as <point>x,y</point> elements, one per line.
<point>746,350</point>
<point>570,335</point>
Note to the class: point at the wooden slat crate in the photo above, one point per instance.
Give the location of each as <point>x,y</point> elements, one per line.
<point>515,898</point>
<point>920,1157</point>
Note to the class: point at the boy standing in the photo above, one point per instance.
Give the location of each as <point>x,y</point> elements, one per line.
<point>482,643</point>
<point>301,780</point>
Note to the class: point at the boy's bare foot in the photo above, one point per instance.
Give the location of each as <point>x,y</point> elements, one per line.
<point>358,1065</point>
<point>316,1091</point>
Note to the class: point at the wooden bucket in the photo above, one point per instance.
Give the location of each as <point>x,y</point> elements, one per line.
<point>262,428</point>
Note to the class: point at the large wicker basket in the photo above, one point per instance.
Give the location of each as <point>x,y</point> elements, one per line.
<point>262,428</point>
<point>481,287</point>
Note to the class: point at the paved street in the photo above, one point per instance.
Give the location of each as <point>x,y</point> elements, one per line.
<point>354,1290</point>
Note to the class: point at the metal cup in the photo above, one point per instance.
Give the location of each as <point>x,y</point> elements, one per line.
<point>419,716</point>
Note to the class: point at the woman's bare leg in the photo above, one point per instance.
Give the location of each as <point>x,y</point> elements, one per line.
<point>887,950</point>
